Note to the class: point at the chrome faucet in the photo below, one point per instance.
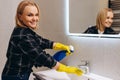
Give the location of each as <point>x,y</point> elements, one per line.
<point>84,65</point>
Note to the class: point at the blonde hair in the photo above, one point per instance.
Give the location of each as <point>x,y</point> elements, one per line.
<point>101,17</point>
<point>21,8</point>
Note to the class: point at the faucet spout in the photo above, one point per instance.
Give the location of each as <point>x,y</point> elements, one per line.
<point>84,66</point>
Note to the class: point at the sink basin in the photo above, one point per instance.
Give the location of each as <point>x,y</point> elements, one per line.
<point>55,75</point>
<point>92,76</point>
<point>89,76</point>
<point>51,75</point>
<point>75,77</point>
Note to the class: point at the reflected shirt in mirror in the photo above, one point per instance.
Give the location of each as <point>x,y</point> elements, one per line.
<point>94,30</point>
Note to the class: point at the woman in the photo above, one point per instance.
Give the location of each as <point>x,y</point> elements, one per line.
<point>26,48</point>
<point>104,21</point>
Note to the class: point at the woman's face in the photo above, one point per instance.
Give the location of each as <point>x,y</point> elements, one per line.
<point>109,20</point>
<point>30,16</point>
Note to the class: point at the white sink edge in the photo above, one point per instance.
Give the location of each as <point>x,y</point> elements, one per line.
<point>96,77</point>
<point>53,73</point>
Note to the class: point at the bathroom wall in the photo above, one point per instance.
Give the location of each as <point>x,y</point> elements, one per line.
<point>102,53</point>
<point>7,13</point>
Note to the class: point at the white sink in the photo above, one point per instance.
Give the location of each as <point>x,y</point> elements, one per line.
<point>52,75</point>
<point>75,77</point>
<point>89,76</point>
<point>55,75</point>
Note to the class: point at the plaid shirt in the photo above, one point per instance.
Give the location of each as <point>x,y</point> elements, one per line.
<point>25,50</point>
<point>94,30</point>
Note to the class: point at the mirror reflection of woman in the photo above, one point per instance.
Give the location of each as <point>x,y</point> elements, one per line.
<point>104,21</point>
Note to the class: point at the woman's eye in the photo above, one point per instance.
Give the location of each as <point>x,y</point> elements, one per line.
<point>112,18</point>
<point>29,14</point>
<point>37,15</point>
<point>107,17</point>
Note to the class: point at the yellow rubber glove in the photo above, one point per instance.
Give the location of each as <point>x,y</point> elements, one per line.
<point>70,69</point>
<point>59,46</point>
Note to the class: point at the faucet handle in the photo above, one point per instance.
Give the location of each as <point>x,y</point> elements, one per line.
<point>84,65</point>
<point>84,62</point>
<point>84,68</point>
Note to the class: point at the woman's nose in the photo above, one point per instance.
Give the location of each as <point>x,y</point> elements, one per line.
<point>35,18</point>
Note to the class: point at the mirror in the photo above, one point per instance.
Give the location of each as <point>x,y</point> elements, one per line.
<point>83,13</point>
